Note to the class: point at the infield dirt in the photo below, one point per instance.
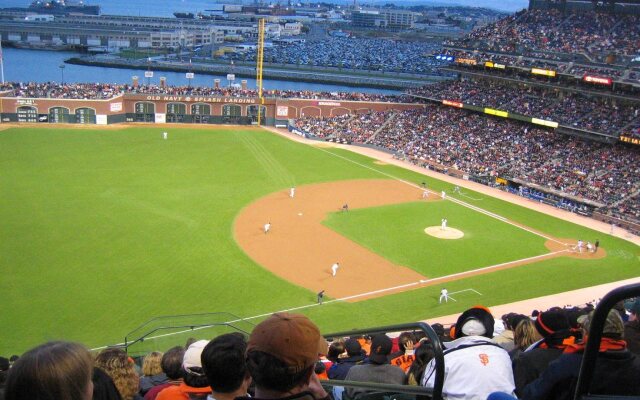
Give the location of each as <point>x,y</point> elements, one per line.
<point>299,249</point>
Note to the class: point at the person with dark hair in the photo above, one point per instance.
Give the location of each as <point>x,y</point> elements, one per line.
<point>103,386</point>
<point>342,366</point>
<point>54,370</point>
<point>423,354</point>
<point>195,384</point>
<point>505,338</point>
<point>281,356</point>
<point>404,358</point>
<point>554,330</point>
<point>223,363</point>
<point>615,373</point>
<point>336,350</point>
<point>632,326</point>
<point>171,365</point>
<point>474,365</point>
<point>376,368</point>
<point>4,370</point>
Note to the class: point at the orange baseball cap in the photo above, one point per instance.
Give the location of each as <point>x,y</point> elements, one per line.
<point>292,338</point>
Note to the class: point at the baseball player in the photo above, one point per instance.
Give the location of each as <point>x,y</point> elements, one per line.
<point>596,245</point>
<point>334,269</point>
<point>165,135</point>
<point>425,194</point>
<point>443,224</point>
<point>320,296</point>
<point>579,246</point>
<point>456,189</point>
<point>267,227</point>
<point>444,195</point>
<point>589,247</point>
<point>345,207</point>
<point>444,294</point>
<point>292,192</point>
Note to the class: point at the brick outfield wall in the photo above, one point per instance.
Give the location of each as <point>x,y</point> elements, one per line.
<point>157,108</point>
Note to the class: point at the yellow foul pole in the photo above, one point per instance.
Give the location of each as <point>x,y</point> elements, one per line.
<point>260,60</point>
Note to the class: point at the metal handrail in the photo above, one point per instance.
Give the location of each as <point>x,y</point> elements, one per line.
<point>435,394</point>
<point>595,335</point>
<point>231,319</point>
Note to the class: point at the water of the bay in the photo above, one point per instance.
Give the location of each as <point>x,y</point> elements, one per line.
<point>22,65</point>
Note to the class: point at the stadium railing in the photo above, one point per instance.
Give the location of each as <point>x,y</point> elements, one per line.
<point>381,391</point>
<point>167,331</point>
<point>592,349</point>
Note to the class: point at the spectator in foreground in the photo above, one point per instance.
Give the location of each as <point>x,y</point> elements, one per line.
<point>223,362</point>
<point>342,366</point>
<point>632,327</point>
<point>117,364</point>
<point>103,386</point>
<point>405,356</point>
<point>474,365</point>
<point>195,384</point>
<point>616,370</point>
<point>523,336</point>
<point>171,365</point>
<point>281,356</point>
<point>54,370</point>
<point>423,354</point>
<point>152,374</point>
<point>376,369</point>
<point>553,327</point>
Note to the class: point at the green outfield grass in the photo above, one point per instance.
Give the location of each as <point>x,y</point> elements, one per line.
<point>104,229</point>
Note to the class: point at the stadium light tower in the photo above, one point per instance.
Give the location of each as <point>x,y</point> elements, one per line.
<point>61,66</point>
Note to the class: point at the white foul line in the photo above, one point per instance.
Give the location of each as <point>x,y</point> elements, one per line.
<point>460,202</point>
<point>355,296</point>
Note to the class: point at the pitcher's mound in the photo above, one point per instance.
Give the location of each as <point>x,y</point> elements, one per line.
<point>449,233</point>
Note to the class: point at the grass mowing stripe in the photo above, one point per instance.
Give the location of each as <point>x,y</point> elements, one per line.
<point>278,172</point>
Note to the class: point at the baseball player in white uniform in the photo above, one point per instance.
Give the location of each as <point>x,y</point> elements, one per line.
<point>334,269</point>
<point>443,225</point>
<point>425,194</point>
<point>292,192</point>
<point>165,135</point>
<point>444,294</point>
<point>267,227</point>
<point>444,195</point>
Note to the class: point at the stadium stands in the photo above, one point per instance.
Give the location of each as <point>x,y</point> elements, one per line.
<point>532,348</point>
<point>448,139</point>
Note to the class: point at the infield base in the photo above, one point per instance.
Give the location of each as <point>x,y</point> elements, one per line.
<point>449,233</point>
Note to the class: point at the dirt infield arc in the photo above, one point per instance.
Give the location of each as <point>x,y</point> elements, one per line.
<point>301,250</point>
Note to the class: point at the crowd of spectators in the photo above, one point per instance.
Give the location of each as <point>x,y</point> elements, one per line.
<point>567,108</point>
<point>553,35</point>
<point>353,53</point>
<point>286,357</point>
<point>476,144</point>
<point>106,91</point>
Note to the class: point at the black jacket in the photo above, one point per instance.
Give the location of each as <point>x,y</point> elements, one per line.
<point>616,373</point>
<point>340,370</point>
<point>632,336</point>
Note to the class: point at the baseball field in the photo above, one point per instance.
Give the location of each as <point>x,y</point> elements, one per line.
<point>104,229</point>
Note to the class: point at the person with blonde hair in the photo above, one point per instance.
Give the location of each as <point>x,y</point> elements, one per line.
<point>524,336</point>
<point>152,374</point>
<point>117,364</point>
<point>54,370</point>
